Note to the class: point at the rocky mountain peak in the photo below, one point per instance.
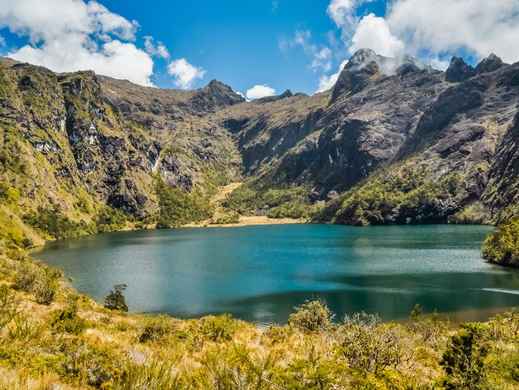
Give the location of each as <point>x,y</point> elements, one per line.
<point>362,67</point>
<point>489,64</point>
<point>215,95</point>
<point>459,70</point>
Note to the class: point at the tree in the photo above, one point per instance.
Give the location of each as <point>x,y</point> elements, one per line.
<point>115,299</point>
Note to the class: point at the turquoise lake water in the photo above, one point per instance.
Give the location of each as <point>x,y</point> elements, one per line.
<point>260,273</point>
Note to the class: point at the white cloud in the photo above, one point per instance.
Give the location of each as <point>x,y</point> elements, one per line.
<point>321,55</point>
<point>71,35</point>
<point>480,26</point>
<point>184,73</point>
<point>327,82</point>
<point>260,91</point>
<point>155,50</point>
<point>373,33</point>
<point>440,28</point>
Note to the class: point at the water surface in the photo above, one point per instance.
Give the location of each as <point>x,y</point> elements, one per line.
<point>260,273</point>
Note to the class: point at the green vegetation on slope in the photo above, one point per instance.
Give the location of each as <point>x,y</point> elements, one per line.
<point>178,207</point>
<point>502,246</point>
<point>397,195</point>
<point>290,202</point>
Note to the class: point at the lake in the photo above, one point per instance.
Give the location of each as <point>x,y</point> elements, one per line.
<point>260,273</point>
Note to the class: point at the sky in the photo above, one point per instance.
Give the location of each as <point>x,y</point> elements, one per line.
<point>258,47</point>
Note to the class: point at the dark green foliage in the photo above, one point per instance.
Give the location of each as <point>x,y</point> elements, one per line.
<point>311,316</point>
<point>109,220</point>
<point>502,246</point>
<point>291,202</point>
<point>399,196</point>
<point>53,222</point>
<point>154,330</point>
<point>463,361</point>
<point>115,300</point>
<point>67,321</point>
<point>177,207</point>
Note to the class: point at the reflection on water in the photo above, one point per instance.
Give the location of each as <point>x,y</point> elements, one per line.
<point>261,273</point>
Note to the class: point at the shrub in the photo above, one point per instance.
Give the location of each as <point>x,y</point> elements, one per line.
<point>217,328</point>
<point>110,219</point>
<point>154,330</point>
<point>463,361</point>
<point>67,321</point>
<point>115,300</point>
<point>53,222</point>
<point>502,246</point>
<point>311,316</point>
<point>144,377</point>
<point>369,345</point>
<point>41,282</point>
<point>8,305</point>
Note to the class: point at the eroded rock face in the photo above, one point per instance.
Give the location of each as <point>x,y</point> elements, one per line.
<point>459,70</point>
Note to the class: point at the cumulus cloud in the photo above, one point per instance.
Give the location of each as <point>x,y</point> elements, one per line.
<point>441,28</point>
<point>71,35</point>
<point>184,73</point>
<point>327,82</point>
<point>155,49</point>
<point>259,91</point>
<point>480,26</point>
<point>373,33</point>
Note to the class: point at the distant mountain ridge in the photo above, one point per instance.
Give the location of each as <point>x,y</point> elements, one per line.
<point>375,149</point>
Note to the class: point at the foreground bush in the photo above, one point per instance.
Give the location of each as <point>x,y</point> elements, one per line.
<point>312,316</point>
<point>502,246</point>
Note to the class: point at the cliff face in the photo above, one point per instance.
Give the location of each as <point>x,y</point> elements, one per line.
<point>390,143</point>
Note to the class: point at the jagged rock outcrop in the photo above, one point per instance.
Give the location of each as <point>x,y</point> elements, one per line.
<point>459,70</point>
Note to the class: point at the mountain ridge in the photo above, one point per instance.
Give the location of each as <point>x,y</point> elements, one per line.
<point>88,141</point>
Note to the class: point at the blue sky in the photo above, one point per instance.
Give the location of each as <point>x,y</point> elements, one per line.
<point>237,41</point>
<point>272,44</point>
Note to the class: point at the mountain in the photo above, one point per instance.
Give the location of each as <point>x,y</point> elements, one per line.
<point>392,142</point>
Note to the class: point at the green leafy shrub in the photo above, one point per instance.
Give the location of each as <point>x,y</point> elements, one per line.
<point>154,330</point>
<point>227,219</point>
<point>217,328</point>
<point>502,246</point>
<point>311,316</point>
<point>41,282</point>
<point>368,345</point>
<point>115,299</point>
<point>67,321</point>
<point>463,361</point>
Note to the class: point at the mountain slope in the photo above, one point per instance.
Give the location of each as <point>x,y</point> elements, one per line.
<point>392,142</point>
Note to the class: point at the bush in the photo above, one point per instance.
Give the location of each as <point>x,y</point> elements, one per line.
<point>41,282</point>
<point>53,222</point>
<point>217,328</point>
<point>502,246</point>
<point>227,219</point>
<point>463,361</point>
<point>109,220</point>
<point>154,330</point>
<point>368,345</point>
<point>115,300</point>
<point>44,289</point>
<point>67,321</point>
<point>8,305</point>
<point>311,316</point>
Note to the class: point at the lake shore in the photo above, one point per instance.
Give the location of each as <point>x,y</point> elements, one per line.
<point>257,220</point>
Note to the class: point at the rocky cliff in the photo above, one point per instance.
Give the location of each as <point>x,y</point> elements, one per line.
<point>392,142</point>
